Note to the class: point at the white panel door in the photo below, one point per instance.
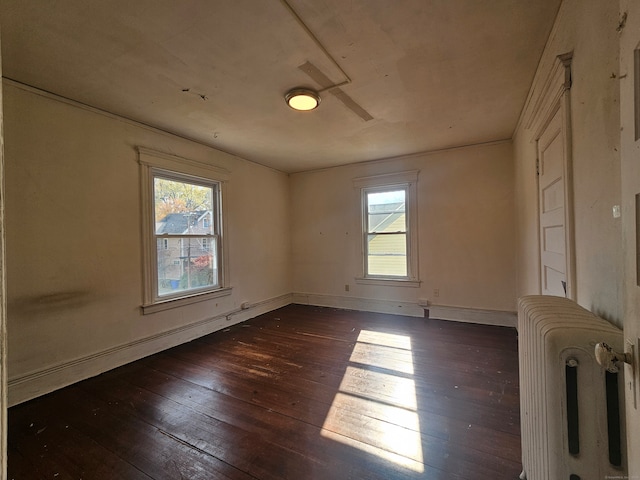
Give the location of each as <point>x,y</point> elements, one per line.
<point>552,207</point>
<point>630,167</point>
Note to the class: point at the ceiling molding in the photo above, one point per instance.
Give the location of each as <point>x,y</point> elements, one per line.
<point>135,123</point>
<point>407,156</point>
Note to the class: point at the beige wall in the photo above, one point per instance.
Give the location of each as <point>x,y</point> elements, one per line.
<point>466,231</point>
<point>74,239</point>
<point>588,28</point>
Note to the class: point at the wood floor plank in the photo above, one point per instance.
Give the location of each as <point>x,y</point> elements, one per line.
<point>309,384</point>
<point>312,413</point>
<point>123,435</point>
<point>273,433</point>
<point>298,393</point>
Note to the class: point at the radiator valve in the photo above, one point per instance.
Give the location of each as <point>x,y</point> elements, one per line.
<point>608,358</point>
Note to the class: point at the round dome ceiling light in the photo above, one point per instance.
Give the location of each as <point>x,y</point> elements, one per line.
<point>302,99</point>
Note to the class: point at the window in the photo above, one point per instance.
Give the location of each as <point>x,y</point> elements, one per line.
<point>389,229</point>
<point>386,232</point>
<point>183,253</point>
<point>179,203</point>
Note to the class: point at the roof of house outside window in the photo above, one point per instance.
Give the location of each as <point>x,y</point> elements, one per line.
<point>177,223</point>
<point>389,217</point>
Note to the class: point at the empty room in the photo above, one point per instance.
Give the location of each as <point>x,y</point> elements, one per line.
<point>319,239</point>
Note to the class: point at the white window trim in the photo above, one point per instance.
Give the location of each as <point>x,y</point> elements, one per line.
<point>408,180</point>
<point>150,161</point>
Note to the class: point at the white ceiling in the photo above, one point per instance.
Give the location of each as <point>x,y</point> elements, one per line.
<point>433,74</point>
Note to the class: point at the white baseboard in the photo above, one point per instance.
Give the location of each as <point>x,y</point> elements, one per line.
<point>362,304</point>
<point>474,315</point>
<point>443,312</point>
<point>33,384</point>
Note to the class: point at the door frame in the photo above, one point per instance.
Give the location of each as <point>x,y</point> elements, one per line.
<point>554,98</point>
<point>3,303</point>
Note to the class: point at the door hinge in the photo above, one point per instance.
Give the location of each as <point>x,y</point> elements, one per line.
<point>537,166</point>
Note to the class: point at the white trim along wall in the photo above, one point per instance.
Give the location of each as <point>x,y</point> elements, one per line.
<point>40,382</point>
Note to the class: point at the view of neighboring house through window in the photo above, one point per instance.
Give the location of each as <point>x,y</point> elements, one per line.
<point>184,249</point>
<point>386,232</point>
<point>389,241</point>
<point>187,234</point>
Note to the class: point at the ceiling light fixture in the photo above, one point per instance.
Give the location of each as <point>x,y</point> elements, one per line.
<point>302,99</point>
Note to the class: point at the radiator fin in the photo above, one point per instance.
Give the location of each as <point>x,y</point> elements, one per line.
<point>573,427</point>
<point>613,419</point>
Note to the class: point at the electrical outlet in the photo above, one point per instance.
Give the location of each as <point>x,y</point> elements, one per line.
<point>436,292</point>
<point>346,287</point>
<point>616,211</point>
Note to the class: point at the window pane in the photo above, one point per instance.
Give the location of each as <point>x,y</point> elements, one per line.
<point>386,211</point>
<point>182,208</point>
<point>186,264</point>
<point>387,254</point>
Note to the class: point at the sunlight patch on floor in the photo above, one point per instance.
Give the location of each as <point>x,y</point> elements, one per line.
<point>383,387</point>
<point>375,409</point>
<point>389,358</point>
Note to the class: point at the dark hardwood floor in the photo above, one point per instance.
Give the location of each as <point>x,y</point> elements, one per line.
<point>299,393</point>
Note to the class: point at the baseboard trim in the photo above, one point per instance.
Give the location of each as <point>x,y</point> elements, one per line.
<point>500,318</point>
<point>357,303</point>
<point>442,312</point>
<point>34,384</point>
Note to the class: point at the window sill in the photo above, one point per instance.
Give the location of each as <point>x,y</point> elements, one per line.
<point>388,282</point>
<point>162,305</point>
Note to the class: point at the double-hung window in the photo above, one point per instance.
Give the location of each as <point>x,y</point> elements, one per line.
<point>386,231</point>
<point>180,203</point>
<point>389,228</point>
<point>183,226</point>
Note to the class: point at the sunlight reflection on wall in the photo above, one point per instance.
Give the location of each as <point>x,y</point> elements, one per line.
<point>375,409</point>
